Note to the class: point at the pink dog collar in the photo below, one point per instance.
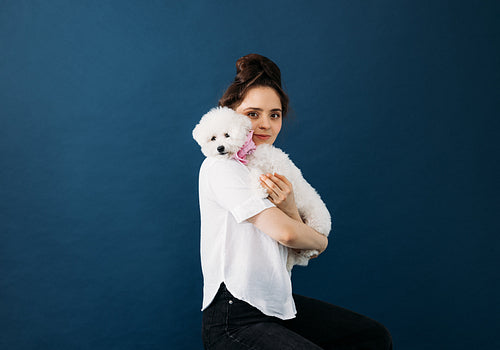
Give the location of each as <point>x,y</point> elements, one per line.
<point>247,148</point>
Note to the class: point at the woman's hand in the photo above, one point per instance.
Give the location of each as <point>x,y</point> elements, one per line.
<point>280,192</point>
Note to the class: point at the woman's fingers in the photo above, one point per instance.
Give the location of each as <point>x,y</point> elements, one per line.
<point>271,181</point>
<point>278,182</point>
<point>283,180</point>
<point>284,185</point>
<point>271,189</point>
<point>266,186</point>
<point>277,186</point>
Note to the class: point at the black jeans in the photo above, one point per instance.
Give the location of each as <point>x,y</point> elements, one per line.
<point>230,323</point>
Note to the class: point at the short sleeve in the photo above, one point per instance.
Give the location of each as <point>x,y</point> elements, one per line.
<point>229,182</point>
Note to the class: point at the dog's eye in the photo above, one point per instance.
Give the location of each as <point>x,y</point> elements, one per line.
<point>213,138</point>
<point>226,134</point>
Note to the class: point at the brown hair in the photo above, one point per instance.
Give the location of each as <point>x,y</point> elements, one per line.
<point>251,71</point>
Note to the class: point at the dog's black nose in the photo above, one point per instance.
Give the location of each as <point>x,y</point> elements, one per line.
<point>220,149</point>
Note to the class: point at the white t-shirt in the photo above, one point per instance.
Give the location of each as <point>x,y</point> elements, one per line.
<point>234,251</point>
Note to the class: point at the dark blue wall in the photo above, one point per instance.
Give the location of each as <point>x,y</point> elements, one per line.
<point>396,109</point>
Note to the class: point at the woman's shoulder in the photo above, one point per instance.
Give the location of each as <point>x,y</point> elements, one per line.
<point>222,166</point>
<point>219,162</point>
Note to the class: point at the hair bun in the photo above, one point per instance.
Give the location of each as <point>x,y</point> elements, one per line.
<point>245,62</point>
<point>252,66</point>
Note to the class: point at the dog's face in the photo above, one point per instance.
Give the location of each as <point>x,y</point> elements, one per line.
<point>222,132</point>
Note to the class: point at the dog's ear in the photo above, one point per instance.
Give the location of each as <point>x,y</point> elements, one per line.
<point>197,133</point>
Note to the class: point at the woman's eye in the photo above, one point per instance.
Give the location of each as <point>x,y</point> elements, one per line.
<point>213,138</point>
<point>275,116</point>
<point>226,134</point>
<point>252,114</point>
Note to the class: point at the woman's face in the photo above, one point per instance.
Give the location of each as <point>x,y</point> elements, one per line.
<point>263,106</point>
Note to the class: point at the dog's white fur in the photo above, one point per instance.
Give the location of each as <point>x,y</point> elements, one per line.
<point>222,132</point>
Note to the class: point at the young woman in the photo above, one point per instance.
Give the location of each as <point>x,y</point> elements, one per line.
<point>247,294</point>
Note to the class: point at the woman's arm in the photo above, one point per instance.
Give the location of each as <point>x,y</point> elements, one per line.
<point>288,231</point>
<point>284,223</point>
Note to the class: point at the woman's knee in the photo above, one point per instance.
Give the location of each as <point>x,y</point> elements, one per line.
<point>383,337</point>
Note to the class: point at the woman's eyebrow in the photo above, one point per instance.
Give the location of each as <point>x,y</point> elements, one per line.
<point>260,109</point>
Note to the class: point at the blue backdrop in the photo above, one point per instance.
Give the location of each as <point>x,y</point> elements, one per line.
<point>396,107</point>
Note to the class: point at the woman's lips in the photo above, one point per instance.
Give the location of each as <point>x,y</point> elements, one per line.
<point>262,137</point>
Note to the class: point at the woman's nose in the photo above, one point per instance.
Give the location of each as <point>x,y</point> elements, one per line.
<point>264,123</point>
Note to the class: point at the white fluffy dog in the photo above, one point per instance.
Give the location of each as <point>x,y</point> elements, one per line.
<point>224,133</point>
